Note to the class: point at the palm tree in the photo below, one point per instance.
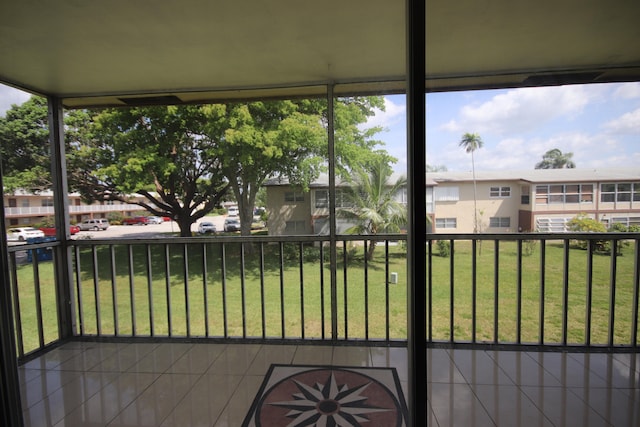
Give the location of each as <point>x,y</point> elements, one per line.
<point>555,159</point>
<point>471,142</point>
<point>374,207</point>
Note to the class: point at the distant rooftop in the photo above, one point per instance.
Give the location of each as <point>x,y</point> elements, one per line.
<point>532,176</point>
<point>541,175</point>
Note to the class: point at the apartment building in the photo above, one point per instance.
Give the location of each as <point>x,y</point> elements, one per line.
<point>24,209</point>
<point>505,201</point>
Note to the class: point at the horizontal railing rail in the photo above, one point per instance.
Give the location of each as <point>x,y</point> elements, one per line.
<point>546,290</point>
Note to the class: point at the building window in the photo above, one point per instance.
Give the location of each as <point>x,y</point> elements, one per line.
<point>322,199</point>
<point>447,194</point>
<point>293,197</point>
<point>294,227</point>
<point>446,223</point>
<point>560,193</point>
<point>620,192</point>
<point>46,202</point>
<point>500,192</point>
<point>551,224</point>
<point>343,200</point>
<point>500,222</point>
<point>524,195</point>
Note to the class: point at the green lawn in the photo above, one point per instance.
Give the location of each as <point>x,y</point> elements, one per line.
<point>301,289</point>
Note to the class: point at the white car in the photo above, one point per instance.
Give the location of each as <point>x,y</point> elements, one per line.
<point>154,220</point>
<point>21,234</point>
<point>233,211</point>
<point>206,227</point>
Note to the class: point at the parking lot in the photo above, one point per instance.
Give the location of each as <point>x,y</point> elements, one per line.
<point>148,231</point>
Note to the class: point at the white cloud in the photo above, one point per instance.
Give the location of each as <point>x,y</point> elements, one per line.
<point>393,114</point>
<point>627,124</point>
<point>518,111</point>
<point>9,96</point>
<point>627,91</point>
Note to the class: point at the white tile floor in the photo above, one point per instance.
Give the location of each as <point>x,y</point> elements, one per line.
<point>178,384</point>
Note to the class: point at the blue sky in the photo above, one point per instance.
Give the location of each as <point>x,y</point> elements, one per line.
<point>598,123</point>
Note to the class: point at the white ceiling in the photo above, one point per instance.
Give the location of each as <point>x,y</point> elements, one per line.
<point>100,52</point>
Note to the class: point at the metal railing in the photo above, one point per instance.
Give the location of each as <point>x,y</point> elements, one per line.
<point>545,290</point>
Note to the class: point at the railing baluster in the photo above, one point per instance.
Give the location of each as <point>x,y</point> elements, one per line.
<point>301,273</point>
<point>38,296</point>
<point>636,296</point>
<point>167,280</point>
<point>223,269</point>
<point>114,297</point>
<point>243,292</point>
<point>96,289</point>
<point>451,291</point>
<point>565,292</point>
<point>589,296</point>
<point>185,273</point>
<point>79,290</point>
<point>496,289</point>
<point>262,292</point>
<point>152,331</point>
<point>205,291</point>
<point>474,289</point>
<point>132,290</point>
<point>612,291</point>
<point>386,290</point>
<point>322,308</point>
<point>346,299</point>
<point>282,331</point>
<point>430,290</point>
<point>519,295</point>
<point>543,256</point>
<point>366,290</point>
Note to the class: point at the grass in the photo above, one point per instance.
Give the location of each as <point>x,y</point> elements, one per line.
<point>235,296</point>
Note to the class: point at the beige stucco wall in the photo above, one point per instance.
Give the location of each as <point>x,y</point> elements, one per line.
<point>280,211</point>
<point>487,207</point>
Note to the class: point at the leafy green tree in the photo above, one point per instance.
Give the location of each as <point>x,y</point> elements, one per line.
<point>160,153</point>
<point>472,142</point>
<point>260,139</point>
<point>289,138</point>
<point>24,147</point>
<point>556,159</point>
<point>374,204</point>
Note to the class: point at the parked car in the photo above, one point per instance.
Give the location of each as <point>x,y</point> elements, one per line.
<point>51,231</point>
<point>135,220</point>
<point>21,234</point>
<point>206,227</point>
<point>231,224</point>
<point>94,224</point>
<point>154,220</point>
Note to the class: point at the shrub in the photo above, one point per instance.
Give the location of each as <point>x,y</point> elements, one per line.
<point>444,248</point>
<point>583,224</point>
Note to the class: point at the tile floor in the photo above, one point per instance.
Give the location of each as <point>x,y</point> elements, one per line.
<point>180,384</point>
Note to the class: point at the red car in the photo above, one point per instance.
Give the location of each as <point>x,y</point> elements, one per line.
<point>135,220</point>
<point>51,231</point>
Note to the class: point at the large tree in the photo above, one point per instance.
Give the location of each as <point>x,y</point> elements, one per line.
<point>374,205</point>
<point>24,147</point>
<point>556,159</point>
<point>161,153</point>
<point>472,142</point>
<point>289,138</point>
<point>260,139</point>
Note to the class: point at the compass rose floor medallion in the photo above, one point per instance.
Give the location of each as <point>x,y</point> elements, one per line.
<point>296,396</point>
